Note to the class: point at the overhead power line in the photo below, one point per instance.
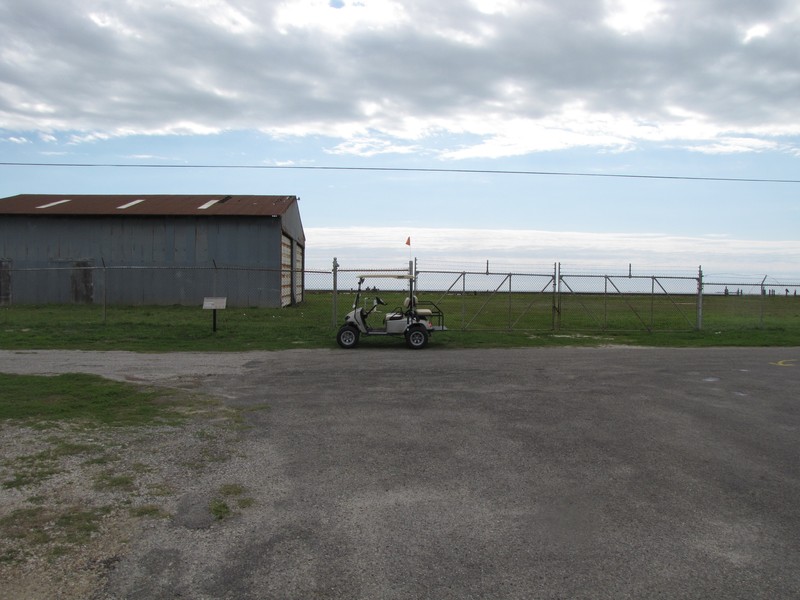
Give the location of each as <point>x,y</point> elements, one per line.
<point>400,170</point>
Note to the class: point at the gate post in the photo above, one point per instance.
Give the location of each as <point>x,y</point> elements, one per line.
<point>105,290</point>
<point>509,303</point>
<point>463,299</point>
<point>652,301</point>
<point>556,296</point>
<point>699,325</point>
<point>335,271</point>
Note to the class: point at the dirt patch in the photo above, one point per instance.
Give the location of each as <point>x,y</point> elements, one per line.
<point>72,497</point>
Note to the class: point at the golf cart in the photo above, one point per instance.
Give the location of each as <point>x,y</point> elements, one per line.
<point>414,320</point>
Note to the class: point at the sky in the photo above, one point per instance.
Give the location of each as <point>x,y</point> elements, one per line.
<point>658,135</point>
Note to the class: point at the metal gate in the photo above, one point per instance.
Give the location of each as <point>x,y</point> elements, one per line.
<point>627,303</point>
<point>486,300</point>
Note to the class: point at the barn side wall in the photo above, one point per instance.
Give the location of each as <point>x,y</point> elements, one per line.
<point>184,259</point>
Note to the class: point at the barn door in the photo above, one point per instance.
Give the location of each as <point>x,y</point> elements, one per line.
<point>298,273</point>
<point>82,282</point>
<point>286,270</point>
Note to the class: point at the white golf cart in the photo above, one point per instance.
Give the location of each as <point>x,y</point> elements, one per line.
<point>414,320</point>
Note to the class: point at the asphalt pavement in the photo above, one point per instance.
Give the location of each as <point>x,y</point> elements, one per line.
<point>501,473</point>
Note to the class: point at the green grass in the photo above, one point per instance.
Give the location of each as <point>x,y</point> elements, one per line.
<point>474,320</point>
<point>111,482</point>
<point>37,467</point>
<point>86,401</point>
<point>88,398</point>
<point>219,509</point>
<point>39,525</point>
<point>231,489</point>
<point>26,473</point>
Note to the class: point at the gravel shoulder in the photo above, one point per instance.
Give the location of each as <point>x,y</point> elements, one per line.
<point>74,498</point>
<point>94,491</point>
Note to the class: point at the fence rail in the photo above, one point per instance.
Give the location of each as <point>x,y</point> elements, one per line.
<point>576,301</point>
<point>552,300</point>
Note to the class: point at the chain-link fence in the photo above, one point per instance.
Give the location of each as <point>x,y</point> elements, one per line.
<point>552,301</point>
<point>157,286</point>
<point>765,303</point>
<point>572,300</point>
<point>472,300</point>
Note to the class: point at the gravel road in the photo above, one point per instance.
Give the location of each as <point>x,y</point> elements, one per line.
<point>524,473</point>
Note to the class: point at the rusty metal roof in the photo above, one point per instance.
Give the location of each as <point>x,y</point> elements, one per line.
<point>146,205</point>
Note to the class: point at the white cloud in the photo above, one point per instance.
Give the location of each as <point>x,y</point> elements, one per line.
<point>358,247</point>
<point>512,77</point>
<point>108,21</point>
<point>502,7</point>
<point>372,147</point>
<point>735,145</point>
<point>755,32</point>
<point>632,16</point>
<point>572,128</point>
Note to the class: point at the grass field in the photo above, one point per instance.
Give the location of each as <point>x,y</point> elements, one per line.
<point>473,320</point>
<point>78,396</point>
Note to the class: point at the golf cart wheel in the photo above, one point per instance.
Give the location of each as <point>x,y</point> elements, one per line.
<point>347,337</point>
<point>417,337</point>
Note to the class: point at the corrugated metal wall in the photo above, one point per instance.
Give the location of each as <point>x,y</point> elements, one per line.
<point>178,244</point>
<point>5,282</point>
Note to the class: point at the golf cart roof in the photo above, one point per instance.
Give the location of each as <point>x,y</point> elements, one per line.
<point>386,276</point>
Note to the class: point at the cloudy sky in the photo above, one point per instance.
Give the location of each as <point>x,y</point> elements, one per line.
<point>598,133</point>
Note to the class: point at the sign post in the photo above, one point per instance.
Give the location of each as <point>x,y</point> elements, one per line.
<point>214,304</point>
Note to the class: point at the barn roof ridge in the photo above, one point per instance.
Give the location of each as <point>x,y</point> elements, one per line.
<point>148,204</point>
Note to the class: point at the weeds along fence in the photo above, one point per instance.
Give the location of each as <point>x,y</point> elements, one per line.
<point>472,300</point>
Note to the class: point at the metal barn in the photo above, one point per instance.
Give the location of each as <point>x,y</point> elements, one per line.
<point>137,250</point>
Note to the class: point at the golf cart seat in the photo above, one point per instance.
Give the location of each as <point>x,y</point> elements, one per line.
<point>421,312</point>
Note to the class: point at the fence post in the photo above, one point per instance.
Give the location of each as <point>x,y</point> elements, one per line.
<point>335,272</point>
<point>509,303</point>
<point>463,299</point>
<point>214,278</point>
<point>699,325</point>
<point>105,290</point>
<point>556,296</point>
<point>652,301</point>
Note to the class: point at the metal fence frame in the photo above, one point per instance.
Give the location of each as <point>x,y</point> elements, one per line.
<point>637,288</point>
<point>554,300</point>
<point>682,296</point>
<point>554,285</point>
